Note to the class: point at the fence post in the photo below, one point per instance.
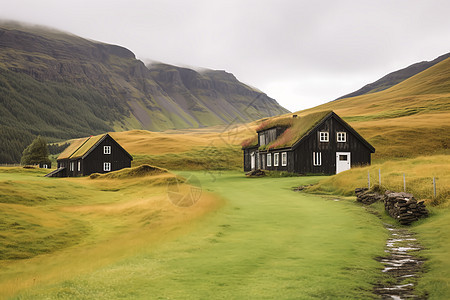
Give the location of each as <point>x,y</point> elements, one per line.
<point>404,183</point>
<point>379,177</point>
<point>434,186</point>
<point>368,179</point>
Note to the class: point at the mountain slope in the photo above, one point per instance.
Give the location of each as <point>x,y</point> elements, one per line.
<point>63,86</point>
<point>396,77</point>
<point>409,119</point>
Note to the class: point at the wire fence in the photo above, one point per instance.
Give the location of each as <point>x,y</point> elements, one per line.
<point>422,187</point>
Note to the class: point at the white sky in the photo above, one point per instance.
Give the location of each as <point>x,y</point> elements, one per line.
<point>302,53</point>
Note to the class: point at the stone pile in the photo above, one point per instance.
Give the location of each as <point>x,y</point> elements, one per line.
<point>256,173</point>
<point>364,196</point>
<point>403,207</point>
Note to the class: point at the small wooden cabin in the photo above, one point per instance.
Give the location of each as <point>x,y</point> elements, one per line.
<point>318,143</point>
<point>95,154</point>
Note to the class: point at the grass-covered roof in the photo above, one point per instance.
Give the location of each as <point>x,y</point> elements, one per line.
<point>80,147</point>
<point>297,128</point>
<point>74,145</point>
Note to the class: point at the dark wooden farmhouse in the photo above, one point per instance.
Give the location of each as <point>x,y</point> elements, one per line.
<point>318,143</point>
<point>95,154</point>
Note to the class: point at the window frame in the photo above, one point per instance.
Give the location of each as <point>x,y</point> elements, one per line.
<point>341,136</point>
<point>284,159</point>
<point>276,159</point>
<point>71,166</point>
<point>106,150</point>
<point>106,166</point>
<point>317,159</point>
<point>325,138</point>
<point>79,166</point>
<point>269,159</point>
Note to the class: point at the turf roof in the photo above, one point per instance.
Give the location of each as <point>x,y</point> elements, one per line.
<point>72,148</point>
<point>80,147</point>
<point>297,129</point>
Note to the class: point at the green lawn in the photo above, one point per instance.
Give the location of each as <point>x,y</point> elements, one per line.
<point>266,242</point>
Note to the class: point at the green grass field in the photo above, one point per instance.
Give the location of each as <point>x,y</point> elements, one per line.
<point>266,241</point>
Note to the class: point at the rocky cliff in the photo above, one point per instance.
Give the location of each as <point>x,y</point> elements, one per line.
<point>61,86</point>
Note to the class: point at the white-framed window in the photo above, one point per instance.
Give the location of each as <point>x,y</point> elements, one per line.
<point>79,165</point>
<point>71,168</point>
<point>106,149</point>
<point>341,137</point>
<point>269,159</point>
<point>276,158</point>
<point>324,136</point>
<point>317,158</point>
<point>284,159</point>
<point>106,166</point>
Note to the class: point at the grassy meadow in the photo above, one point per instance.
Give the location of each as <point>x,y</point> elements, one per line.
<point>55,229</point>
<point>265,241</point>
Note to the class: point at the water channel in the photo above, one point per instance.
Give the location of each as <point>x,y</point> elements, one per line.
<point>402,264</point>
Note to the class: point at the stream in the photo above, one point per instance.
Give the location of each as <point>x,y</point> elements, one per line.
<point>402,264</point>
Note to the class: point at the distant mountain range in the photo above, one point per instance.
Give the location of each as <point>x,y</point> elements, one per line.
<point>62,86</point>
<point>393,78</point>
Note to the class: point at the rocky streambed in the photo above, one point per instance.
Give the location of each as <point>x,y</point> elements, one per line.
<point>402,264</point>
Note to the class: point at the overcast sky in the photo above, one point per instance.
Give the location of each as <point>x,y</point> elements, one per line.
<point>302,53</point>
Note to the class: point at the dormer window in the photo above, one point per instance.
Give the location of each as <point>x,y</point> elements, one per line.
<point>324,136</point>
<point>106,149</point>
<point>262,139</point>
<point>341,137</point>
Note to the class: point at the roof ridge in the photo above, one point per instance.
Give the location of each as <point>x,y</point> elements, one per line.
<point>70,156</point>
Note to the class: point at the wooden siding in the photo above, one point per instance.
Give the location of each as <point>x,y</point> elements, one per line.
<point>269,135</point>
<point>300,156</point>
<point>93,159</point>
<point>360,154</point>
<point>93,162</point>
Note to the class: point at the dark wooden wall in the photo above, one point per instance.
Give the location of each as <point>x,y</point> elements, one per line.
<point>300,157</point>
<point>359,153</point>
<point>93,162</point>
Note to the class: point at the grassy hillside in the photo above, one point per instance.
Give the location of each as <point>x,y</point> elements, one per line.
<point>56,229</point>
<point>407,120</point>
<point>396,77</point>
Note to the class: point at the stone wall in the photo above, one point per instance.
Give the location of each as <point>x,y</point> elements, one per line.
<point>401,206</point>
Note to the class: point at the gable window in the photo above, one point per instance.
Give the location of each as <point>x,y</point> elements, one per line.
<point>324,136</point>
<point>276,158</point>
<point>106,149</point>
<point>341,137</point>
<point>79,165</point>
<point>317,158</point>
<point>106,166</point>
<point>284,159</point>
<point>269,159</point>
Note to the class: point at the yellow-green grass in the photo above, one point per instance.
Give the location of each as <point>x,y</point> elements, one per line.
<point>419,173</point>
<point>434,234</point>
<point>208,158</point>
<point>80,224</point>
<point>265,242</point>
